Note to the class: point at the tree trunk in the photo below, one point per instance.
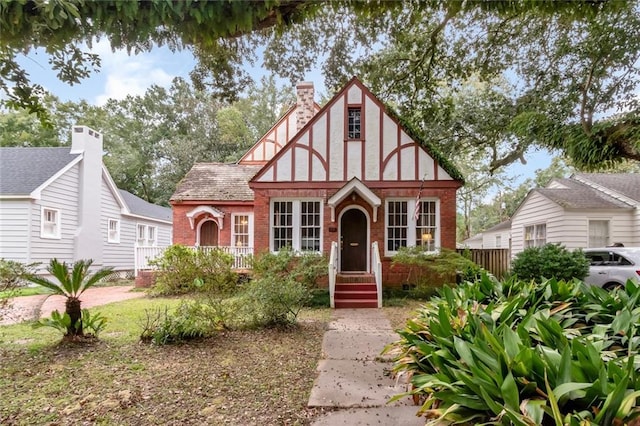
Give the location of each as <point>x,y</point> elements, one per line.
<point>75,313</point>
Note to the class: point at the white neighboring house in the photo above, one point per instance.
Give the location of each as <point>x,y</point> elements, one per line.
<point>585,210</point>
<point>496,237</point>
<point>62,203</point>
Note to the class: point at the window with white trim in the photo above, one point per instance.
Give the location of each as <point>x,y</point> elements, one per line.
<point>498,241</point>
<point>535,235</point>
<point>113,231</point>
<point>241,235</point>
<point>141,234</point>
<point>296,224</point>
<point>152,233</point>
<point>402,230</point>
<point>50,223</point>
<point>598,233</point>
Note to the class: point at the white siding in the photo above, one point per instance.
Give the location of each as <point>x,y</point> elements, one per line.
<point>535,209</point>
<point>14,229</point>
<point>117,255</point>
<point>489,239</point>
<point>62,195</point>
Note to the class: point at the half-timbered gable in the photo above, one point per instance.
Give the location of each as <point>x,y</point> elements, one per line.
<point>284,129</point>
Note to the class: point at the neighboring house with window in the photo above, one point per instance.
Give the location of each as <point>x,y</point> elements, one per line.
<point>348,180</point>
<point>496,237</point>
<point>585,210</point>
<point>61,202</point>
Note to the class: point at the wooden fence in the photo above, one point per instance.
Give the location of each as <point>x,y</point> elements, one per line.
<point>496,261</point>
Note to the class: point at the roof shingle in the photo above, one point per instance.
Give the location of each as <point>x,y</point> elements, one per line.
<point>216,182</point>
<point>577,195</point>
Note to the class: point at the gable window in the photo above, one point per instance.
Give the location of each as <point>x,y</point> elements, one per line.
<point>353,124</point>
<point>535,235</point>
<point>113,232</point>
<point>50,223</point>
<point>296,224</point>
<point>598,233</point>
<point>402,230</point>
<point>498,241</point>
<point>241,235</point>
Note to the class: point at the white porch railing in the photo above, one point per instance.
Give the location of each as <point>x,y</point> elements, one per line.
<point>333,271</point>
<point>143,255</point>
<point>376,270</point>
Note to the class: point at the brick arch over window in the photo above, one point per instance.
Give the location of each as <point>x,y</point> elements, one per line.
<point>218,216</point>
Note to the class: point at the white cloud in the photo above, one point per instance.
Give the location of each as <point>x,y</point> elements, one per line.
<point>125,74</point>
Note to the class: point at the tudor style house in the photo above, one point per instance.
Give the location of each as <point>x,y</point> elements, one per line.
<point>62,202</point>
<point>347,180</point>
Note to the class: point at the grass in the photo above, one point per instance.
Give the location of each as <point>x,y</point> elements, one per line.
<point>23,291</point>
<point>252,377</point>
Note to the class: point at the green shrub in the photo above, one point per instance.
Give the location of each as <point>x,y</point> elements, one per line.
<point>162,327</point>
<point>520,352</point>
<point>550,261</point>
<point>182,270</point>
<point>282,284</point>
<point>427,271</point>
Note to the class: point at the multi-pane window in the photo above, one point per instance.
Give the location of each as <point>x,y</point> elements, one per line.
<point>240,236</point>
<point>50,223</point>
<point>113,231</point>
<point>408,226</point>
<point>598,233</point>
<point>535,235</point>
<point>310,226</point>
<point>146,235</point>
<point>296,224</point>
<point>141,234</point>
<point>396,225</point>
<point>426,225</point>
<point>282,224</point>
<point>353,126</point>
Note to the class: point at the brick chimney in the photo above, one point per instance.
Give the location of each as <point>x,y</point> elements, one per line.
<point>305,104</point>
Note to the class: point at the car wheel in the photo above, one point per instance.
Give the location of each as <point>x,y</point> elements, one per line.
<point>612,286</point>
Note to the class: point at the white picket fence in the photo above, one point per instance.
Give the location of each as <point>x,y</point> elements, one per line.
<point>143,255</point>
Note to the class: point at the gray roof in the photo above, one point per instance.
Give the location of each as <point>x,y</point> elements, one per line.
<point>577,195</point>
<point>140,207</point>
<point>22,170</point>
<point>627,184</point>
<point>499,227</point>
<point>216,182</point>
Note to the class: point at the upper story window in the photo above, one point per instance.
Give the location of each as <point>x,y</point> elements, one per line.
<point>353,124</point>
<point>296,224</point>
<point>408,226</point>
<point>113,232</point>
<point>498,241</point>
<point>50,223</point>
<point>535,235</point>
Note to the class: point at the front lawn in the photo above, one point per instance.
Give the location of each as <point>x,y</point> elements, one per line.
<point>249,377</point>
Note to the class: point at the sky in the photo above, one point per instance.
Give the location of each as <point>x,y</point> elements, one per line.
<point>122,74</point>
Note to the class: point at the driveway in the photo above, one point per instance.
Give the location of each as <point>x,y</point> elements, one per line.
<point>28,308</point>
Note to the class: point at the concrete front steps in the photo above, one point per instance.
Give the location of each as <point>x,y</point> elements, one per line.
<point>356,291</point>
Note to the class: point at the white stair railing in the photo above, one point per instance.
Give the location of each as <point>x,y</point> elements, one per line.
<point>333,272</point>
<point>376,270</point>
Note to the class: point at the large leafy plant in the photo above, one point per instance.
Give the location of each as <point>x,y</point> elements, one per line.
<point>525,353</point>
<point>70,284</point>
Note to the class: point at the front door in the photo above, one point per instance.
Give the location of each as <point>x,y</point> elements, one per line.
<point>353,253</point>
<point>209,234</point>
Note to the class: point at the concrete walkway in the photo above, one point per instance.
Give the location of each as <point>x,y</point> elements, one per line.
<point>29,308</point>
<point>353,379</point>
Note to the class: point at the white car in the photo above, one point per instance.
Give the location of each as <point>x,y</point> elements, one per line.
<point>612,266</point>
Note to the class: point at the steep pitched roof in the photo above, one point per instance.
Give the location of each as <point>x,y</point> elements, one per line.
<point>627,184</point>
<point>577,195</point>
<point>217,182</point>
<point>140,207</point>
<point>23,170</point>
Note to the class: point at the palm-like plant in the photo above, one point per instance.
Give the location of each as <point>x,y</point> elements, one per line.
<point>71,284</point>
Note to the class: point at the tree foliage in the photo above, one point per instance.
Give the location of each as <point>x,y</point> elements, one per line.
<point>572,66</point>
